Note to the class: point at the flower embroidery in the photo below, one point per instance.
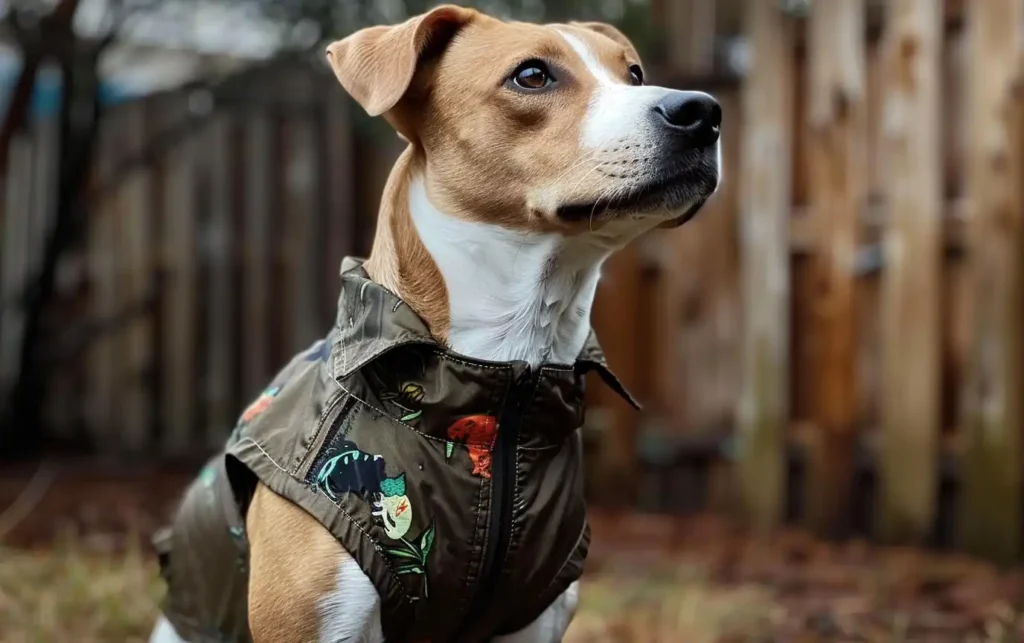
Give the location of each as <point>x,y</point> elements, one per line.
<point>478,433</point>
<point>261,404</point>
<point>408,399</point>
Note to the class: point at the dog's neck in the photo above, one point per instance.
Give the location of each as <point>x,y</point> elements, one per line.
<point>488,292</point>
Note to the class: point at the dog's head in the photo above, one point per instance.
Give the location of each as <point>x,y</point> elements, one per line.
<point>546,128</point>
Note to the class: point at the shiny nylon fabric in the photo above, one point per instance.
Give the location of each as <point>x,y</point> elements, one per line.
<point>387,439</point>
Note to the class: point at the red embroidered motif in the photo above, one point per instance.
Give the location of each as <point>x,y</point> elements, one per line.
<point>478,433</point>
<point>261,404</point>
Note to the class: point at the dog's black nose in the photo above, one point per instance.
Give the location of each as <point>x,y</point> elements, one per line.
<point>695,115</point>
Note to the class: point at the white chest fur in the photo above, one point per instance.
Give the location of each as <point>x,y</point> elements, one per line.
<point>512,295</point>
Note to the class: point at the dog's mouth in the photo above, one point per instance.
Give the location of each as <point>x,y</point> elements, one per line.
<point>681,188</point>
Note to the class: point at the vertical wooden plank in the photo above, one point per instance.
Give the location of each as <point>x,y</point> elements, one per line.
<point>58,417</point>
<point>256,366</point>
<point>991,519</point>
<point>137,272</point>
<point>178,307</point>
<point>103,353</point>
<point>838,186</point>
<point>912,280</point>
<point>765,203</point>
<point>619,292</point>
<point>690,35</point>
<point>722,271</point>
<point>220,411</point>
<point>341,193</point>
<point>302,212</point>
<point>16,253</point>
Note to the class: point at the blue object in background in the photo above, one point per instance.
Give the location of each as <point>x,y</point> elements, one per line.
<point>46,95</point>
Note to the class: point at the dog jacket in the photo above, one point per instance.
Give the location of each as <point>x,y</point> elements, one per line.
<point>455,483</point>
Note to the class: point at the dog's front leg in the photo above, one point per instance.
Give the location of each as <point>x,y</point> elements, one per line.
<point>303,586</point>
<point>551,625</point>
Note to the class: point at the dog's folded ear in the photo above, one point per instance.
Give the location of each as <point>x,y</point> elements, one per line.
<point>606,29</point>
<point>376,65</point>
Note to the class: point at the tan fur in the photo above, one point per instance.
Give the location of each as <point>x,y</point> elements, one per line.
<point>293,562</point>
<point>454,111</point>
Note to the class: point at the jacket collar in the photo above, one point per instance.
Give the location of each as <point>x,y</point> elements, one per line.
<point>372,321</point>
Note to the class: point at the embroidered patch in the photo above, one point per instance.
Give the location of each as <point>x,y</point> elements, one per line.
<point>355,471</point>
<point>408,399</point>
<point>208,476</point>
<point>478,433</point>
<point>411,556</point>
<point>261,404</point>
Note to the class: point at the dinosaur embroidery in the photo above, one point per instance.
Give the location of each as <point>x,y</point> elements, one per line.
<point>478,433</point>
<point>355,471</point>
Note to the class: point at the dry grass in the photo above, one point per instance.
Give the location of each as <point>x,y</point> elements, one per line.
<point>69,595</point>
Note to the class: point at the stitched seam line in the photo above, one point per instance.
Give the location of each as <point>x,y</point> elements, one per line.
<point>565,562</point>
<point>313,443</point>
<point>388,416</point>
<point>347,515</point>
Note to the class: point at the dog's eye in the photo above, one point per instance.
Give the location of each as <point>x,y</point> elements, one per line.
<point>532,74</point>
<point>636,75</point>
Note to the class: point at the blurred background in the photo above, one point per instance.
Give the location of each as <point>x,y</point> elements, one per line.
<point>831,356</point>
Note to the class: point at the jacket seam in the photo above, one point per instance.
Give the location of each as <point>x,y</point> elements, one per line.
<point>388,416</point>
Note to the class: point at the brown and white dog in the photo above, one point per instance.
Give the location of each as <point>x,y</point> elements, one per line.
<point>535,151</point>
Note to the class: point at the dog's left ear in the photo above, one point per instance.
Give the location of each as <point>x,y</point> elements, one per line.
<point>376,65</point>
<point>608,30</point>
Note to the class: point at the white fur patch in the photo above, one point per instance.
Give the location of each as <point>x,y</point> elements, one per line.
<point>164,633</point>
<point>618,112</point>
<point>351,612</point>
<point>516,295</point>
<point>551,625</point>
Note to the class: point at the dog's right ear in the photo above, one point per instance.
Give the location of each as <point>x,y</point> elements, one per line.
<point>376,65</point>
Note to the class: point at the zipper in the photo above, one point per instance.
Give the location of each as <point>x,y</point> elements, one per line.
<point>503,484</point>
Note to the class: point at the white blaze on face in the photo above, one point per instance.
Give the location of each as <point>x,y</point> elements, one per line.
<point>618,112</point>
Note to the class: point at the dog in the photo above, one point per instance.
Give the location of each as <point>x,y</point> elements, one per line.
<point>415,475</point>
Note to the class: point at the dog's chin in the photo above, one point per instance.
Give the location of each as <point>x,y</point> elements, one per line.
<point>674,197</point>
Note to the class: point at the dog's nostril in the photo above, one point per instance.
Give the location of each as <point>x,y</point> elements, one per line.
<point>691,113</point>
<point>715,118</point>
<point>695,114</point>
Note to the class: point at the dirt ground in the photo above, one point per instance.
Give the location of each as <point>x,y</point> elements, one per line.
<point>75,566</point>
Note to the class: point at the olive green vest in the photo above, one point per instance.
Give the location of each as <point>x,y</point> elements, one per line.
<point>455,483</point>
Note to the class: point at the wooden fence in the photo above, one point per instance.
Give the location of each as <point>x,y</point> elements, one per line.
<point>216,224</point>
<point>836,340</point>
<point>852,302</point>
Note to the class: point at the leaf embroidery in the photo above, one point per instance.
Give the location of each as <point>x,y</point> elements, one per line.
<point>417,552</point>
<point>408,399</point>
